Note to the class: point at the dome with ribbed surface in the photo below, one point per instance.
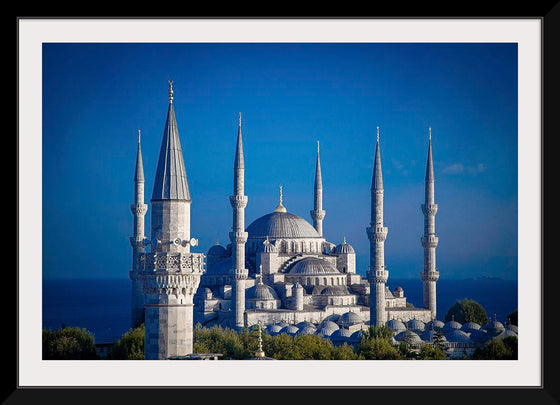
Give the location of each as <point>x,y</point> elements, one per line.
<point>311,266</point>
<point>395,325</point>
<point>281,225</point>
<point>349,319</point>
<point>261,292</point>
<point>343,248</point>
<point>456,335</point>
<point>470,326</point>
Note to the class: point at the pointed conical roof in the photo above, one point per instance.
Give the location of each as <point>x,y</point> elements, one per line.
<point>171,177</point>
<point>239,162</point>
<point>318,177</point>
<point>430,162</point>
<point>377,178</point>
<point>139,173</point>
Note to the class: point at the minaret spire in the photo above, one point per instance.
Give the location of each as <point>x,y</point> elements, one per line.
<point>429,240</point>
<point>317,213</point>
<point>170,262</point>
<point>377,233</point>
<point>138,209</point>
<point>238,236</point>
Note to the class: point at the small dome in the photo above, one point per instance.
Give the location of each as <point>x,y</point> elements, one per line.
<point>456,335</point>
<point>217,250</point>
<point>451,325</point>
<point>290,330</point>
<point>261,292</point>
<point>435,324</point>
<point>396,325</point>
<point>493,327</point>
<point>349,319</point>
<point>306,330</point>
<point>416,325</point>
<point>479,336</point>
<point>332,318</point>
<point>470,326</point>
<point>429,334</point>
<point>506,333</point>
<point>273,329</point>
<point>312,266</point>
<point>356,336</point>
<point>343,248</point>
<point>512,328</point>
<point>282,323</point>
<point>305,324</point>
<point>408,336</point>
<point>340,335</point>
<point>327,328</point>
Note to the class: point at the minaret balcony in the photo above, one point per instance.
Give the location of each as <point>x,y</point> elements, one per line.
<point>377,276</point>
<point>238,237</point>
<point>429,241</point>
<point>318,215</point>
<point>429,275</point>
<point>429,209</point>
<point>171,262</point>
<point>240,274</point>
<point>238,201</point>
<point>377,233</point>
<point>138,209</point>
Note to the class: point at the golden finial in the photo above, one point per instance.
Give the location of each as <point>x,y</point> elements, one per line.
<point>280,207</point>
<point>170,90</point>
<point>260,351</point>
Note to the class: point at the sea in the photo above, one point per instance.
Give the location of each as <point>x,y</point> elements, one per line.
<point>102,306</point>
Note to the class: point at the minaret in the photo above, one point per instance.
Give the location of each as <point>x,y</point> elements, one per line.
<point>139,210</point>
<point>318,213</point>
<point>377,233</point>
<point>238,236</point>
<point>430,275</point>
<point>170,273</point>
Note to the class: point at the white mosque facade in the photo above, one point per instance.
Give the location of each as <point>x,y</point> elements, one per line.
<point>278,271</point>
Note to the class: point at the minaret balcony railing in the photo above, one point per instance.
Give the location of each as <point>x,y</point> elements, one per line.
<point>429,209</point>
<point>139,209</point>
<point>377,233</point>
<point>240,274</point>
<point>429,241</point>
<point>159,286</point>
<point>429,275</point>
<point>171,262</point>
<point>238,201</point>
<point>377,276</point>
<point>318,215</point>
<point>238,237</point>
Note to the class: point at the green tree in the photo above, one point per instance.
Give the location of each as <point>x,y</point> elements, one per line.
<point>376,345</point>
<point>69,343</point>
<point>467,310</point>
<point>512,318</point>
<point>497,349</point>
<point>130,346</point>
<point>429,352</point>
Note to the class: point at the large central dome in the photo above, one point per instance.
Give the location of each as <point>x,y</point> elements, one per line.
<point>281,225</point>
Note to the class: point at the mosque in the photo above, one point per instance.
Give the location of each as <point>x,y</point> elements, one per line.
<point>279,271</point>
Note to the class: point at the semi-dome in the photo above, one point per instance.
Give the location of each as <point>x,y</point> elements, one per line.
<point>281,225</point>
<point>311,266</point>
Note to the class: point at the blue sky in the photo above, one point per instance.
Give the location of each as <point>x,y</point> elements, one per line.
<point>97,96</point>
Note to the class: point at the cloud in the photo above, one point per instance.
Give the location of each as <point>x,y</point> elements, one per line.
<point>459,169</point>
